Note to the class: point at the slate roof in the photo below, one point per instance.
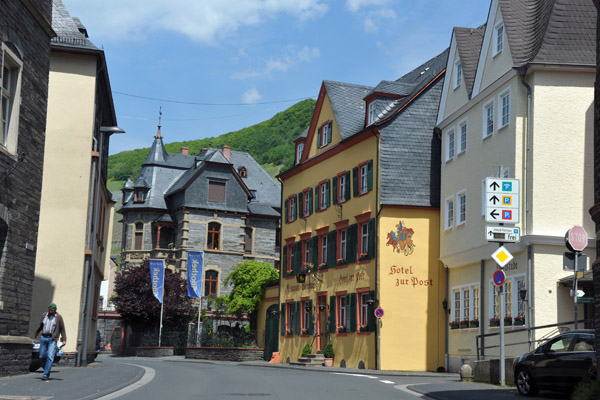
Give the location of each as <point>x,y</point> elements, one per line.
<point>166,173</point>
<point>550,31</point>
<point>468,44</point>
<point>70,32</point>
<point>393,88</point>
<point>348,106</point>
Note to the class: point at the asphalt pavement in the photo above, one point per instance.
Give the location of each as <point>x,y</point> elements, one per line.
<point>110,374</point>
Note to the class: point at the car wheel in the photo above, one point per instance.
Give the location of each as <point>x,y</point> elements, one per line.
<point>525,382</point>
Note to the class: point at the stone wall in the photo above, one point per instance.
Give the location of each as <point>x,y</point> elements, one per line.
<point>224,354</point>
<point>154,351</point>
<point>21,188</point>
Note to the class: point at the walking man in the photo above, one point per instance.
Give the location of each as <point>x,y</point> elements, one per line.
<point>51,326</point>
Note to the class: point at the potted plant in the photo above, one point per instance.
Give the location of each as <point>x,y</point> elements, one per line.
<point>305,331</point>
<point>362,256</point>
<point>328,354</point>
<point>494,322</point>
<point>340,261</point>
<point>341,329</point>
<point>322,265</point>
<point>290,332</point>
<point>508,321</point>
<point>306,350</point>
<point>454,325</point>
<point>363,328</point>
<point>519,320</point>
<point>464,324</point>
<point>474,323</point>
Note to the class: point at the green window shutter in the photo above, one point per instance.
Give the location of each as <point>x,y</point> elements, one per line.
<point>310,201</point>
<point>301,204</point>
<point>351,242</point>
<point>328,195</point>
<point>370,175</point>
<point>355,181</point>
<point>284,263</point>
<point>331,248</point>
<point>295,216</point>
<point>347,194</point>
<point>329,131</point>
<point>317,198</point>
<point>335,190</point>
<point>371,231</point>
<point>332,324</point>
<point>319,134</point>
<point>297,317</point>
<point>314,251</point>
<point>285,206</point>
<point>311,322</point>
<point>351,312</point>
<point>297,257</point>
<point>371,319</point>
<point>282,319</point>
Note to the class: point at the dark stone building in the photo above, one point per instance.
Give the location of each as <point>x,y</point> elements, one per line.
<point>25,34</point>
<point>219,201</point>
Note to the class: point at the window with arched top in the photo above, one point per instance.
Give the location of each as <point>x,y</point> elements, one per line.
<point>214,235</point>
<point>211,282</point>
<point>243,172</point>
<point>139,236</point>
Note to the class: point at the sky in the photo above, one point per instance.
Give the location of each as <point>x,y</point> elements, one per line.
<point>213,67</point>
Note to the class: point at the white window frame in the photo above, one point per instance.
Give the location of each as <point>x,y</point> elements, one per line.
<point>324,249</point>
<point>458,73</point>
<point>325,135</point>
<point>462,147</point>
<point>450,144</point>
<point>372,114</point>
<point>342,301</point>
<point>299,150</point>
<point>485,113</point>
<point>342,188</point>
<point>292,210</point>
<point>364,237</point>
<point>323,194</point>
<point>306,207</point>
<point>498,46</point>
<point>364,309</point>
<point>504,94</point>
<point>364,186</point>
<point>514,309</point>
<point>458,305</point>
<point>461,217</point>
<point>449,220</point>
<point>343,244</point>
<point>11,134</point>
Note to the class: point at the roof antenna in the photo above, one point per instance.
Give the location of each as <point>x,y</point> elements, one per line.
<point>158,135</point>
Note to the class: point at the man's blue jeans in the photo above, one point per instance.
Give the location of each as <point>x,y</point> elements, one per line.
<point>47,351</point>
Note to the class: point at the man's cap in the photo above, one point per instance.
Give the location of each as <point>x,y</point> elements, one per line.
<point>52,305</point>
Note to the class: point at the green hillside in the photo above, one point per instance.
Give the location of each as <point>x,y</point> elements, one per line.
<point>269,142</point>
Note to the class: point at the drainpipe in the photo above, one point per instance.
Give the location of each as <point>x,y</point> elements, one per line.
<point>377,135</point>
<point>522,71</point>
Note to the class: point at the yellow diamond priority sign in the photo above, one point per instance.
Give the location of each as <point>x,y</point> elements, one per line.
<point>502,256</point>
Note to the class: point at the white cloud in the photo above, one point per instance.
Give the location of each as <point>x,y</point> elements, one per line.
<point>251,96</point>
<point>375,18</point>
<point>355,5</point>
<point>281,63</point>
<point>202,21</point>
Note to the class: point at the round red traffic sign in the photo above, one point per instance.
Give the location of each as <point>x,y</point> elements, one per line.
<point>577,238</point>
<point>379,312</point>
<point>499,278</point>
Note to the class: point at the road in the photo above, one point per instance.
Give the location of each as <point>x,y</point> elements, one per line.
<point>175,378</point>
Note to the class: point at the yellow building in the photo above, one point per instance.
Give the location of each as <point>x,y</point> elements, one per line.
<point>516,105</point>
<point>76,210</point>
<point>361,211</point>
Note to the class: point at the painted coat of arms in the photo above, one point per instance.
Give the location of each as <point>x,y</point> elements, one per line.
<point>401,239</point>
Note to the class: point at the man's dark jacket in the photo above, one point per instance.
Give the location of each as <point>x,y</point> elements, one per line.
<point>59,328</point>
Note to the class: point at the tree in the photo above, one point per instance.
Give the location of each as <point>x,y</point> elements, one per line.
<point>249,280</point>
<point>138,306</point>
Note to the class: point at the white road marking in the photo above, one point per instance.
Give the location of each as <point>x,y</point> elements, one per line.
<point>359,375</point>
<point>149,374</point>
<point>388,382</point>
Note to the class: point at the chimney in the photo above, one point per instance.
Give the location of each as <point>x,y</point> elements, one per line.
<point>204,149</point>
<point>227,152</point>
<point>185,151</point>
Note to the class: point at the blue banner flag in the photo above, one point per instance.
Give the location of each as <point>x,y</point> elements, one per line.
<point>157,276</point>
<point>194,273</point>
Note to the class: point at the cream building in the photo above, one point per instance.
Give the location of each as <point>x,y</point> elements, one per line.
<point>517,103</point>
<point>76,208</point>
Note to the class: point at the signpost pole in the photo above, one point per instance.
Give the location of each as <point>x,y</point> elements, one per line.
<point>575,288</point>
<point>502,311</point>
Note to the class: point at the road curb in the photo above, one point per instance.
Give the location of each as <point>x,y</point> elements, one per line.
<point>118,387</point>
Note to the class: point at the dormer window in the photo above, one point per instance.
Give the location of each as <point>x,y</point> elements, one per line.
<point>457,74</point>
<point>243,173</point>
<point>372,113</point>
<point>299,150</point>
<point>324,134</point>
<point>139,195</point>
<point>498,38</point>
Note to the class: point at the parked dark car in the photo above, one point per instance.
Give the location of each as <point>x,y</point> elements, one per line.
<point>36,363</point>
<point>560,364</point>
<point>98,341</point>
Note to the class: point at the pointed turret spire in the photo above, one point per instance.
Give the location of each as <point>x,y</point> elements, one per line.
<point>158,134</point>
